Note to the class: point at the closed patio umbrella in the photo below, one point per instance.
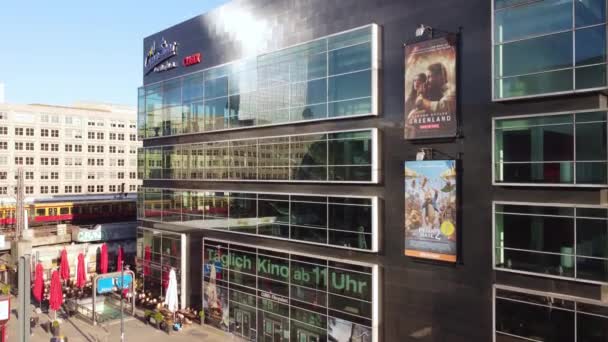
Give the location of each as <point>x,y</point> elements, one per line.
<point>56,293</point>
<point>103,262</point>
<point>119,260</point>
<point>171,300</point>
<point>38,288</point>
<point>64,266</point>
<point>81,277</point>
<point>147,258</point>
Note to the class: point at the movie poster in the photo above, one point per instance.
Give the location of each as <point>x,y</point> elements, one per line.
<point>430,89</point>
<point>431,209</point>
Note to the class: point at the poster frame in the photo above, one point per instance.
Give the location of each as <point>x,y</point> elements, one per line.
<point>457,132</point>
<point>433,256</point>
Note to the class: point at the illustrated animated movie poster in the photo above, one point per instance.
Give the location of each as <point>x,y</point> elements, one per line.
<point>430,89</point>
<point>431,209</point>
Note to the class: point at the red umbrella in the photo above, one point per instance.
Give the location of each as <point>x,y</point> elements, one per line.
<point>81,277</point>
<point>38,289</point>
<point>64,267</point>
<point>119,260</point>
<point>56,293</point>
<point>103,262</point>
<point>147,257</point>
<point>165,276</point>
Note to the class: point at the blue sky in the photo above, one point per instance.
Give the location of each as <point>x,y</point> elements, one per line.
<point>58,52</point>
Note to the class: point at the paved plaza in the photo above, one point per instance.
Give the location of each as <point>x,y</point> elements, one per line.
<point>78,330</point>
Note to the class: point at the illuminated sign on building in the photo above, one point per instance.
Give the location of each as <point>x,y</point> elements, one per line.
<point>192,59</point>
<point>158,55</point>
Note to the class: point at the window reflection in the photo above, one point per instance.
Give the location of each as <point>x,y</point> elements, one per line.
<point>290,85</point>
<point>552,240</point>
<point>276,296</point>
<point>337,221</point>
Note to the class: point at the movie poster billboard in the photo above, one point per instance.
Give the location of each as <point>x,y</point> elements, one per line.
<point>430,89</point>
<point>431,209</point>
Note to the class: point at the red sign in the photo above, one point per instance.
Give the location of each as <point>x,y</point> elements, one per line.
<point>192,59</point>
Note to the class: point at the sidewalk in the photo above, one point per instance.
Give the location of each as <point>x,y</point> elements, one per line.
<point>135,331</point>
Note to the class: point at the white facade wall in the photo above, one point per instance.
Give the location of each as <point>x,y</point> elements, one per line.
<point>101,164</point>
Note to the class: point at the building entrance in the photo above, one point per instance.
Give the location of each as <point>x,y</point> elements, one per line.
<point>307,336</point>
<point>273,330</point>
<point>242,326</point>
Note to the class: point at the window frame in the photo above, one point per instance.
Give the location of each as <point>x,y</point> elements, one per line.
<point>374,206</point>
<point>572,30</point>
<point>561,185</point>
<point>375,162</point>
<point>576,300</point>
<point>375,69</point>
<point>574,255</point>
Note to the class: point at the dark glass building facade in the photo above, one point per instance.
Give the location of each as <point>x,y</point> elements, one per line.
<point>273,168</point>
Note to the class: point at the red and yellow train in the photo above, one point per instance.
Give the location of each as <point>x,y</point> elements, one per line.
<point>73,210</point>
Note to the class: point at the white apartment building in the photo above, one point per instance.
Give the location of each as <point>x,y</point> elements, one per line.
<point>79,150</point>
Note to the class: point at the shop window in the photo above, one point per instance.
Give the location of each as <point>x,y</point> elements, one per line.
<point>548,47</point>
<point>553,149</point>
<point>287,278</point>
<point>555,241</point>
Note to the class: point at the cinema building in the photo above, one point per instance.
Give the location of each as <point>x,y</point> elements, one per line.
<point>311,179</point>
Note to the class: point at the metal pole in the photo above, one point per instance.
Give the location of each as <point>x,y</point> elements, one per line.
<point>23,288</point>
<point>122,287</point>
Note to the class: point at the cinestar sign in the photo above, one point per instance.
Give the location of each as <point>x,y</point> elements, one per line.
<point>156,56</point>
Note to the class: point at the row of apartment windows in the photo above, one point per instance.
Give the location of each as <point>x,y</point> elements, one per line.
<point>29,146</point>
<point>71,175</point>
<point>68,189</point>
<point>54,133</point>
<point>67,161</point>
<point>70,120</point>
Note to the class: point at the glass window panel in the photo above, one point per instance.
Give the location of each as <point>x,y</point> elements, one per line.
<point>350,240</point>
<point>591,149</point>
<point>309,234</point>
<point>591,77</point>
<point>534,210</point>
<point>589,12</point>
<point>350,107</point>
<point>548,82</point>
<point>527,122</point>
<point>540,233</point>
<point>216,87</point>
<point>591,172</point>
<point>353,218</point>
<point>548,264</point>
<point>349,59</point>
<point>561,173</point>
<point>350,173</point>
<point>531,18</point>
<point>350,284</point>
<point>352,306</point>
<point>537,144</point>
<point>591,45</point>
<point>349,38</point>
<point>349,152</point>
<point>308,93</point>
<point>312,112</point>
<point>192,88</point>
<point>350,86</point>
<point>309,214</point>
<point>242,110</point>
<point>534,55</point>
<point>591,236</point>
<point>534,322</point>
<point>216,113</point>
<point>592,269</point>
<point>172,93</point>
<point>590,117</point>
<point>591,328</point>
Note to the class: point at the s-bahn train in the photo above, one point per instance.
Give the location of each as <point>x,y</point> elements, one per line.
<point>73,209</point>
